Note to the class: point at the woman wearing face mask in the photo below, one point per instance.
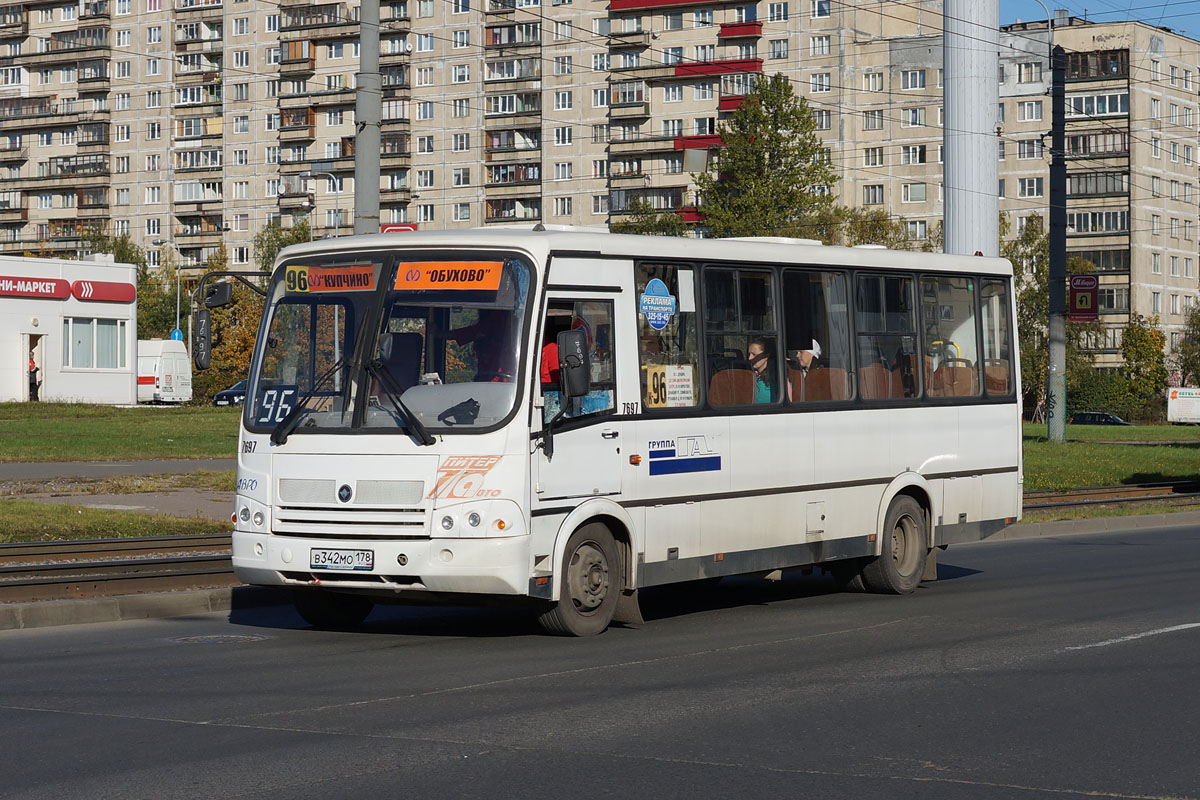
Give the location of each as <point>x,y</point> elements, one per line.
<point>765,388</point>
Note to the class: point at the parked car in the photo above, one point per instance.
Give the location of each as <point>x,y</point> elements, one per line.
<point>233,396</point>
<point>1097,418</point>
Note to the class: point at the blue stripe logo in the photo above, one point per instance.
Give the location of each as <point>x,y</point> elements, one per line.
<point>682,455</point>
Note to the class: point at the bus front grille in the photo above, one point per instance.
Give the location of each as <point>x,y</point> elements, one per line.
<point>350,522</point>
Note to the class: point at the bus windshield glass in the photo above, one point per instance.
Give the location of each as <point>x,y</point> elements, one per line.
<point>391,342</point>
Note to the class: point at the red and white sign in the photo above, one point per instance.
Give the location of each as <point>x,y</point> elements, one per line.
<point>44,288</point>
<point>1085,297</point>
<point>104,291</point>
<point>398,227</point>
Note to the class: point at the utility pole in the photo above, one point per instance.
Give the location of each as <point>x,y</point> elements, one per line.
<point>367,112</point>
<point>1056,395</point>
<point>970,47</point>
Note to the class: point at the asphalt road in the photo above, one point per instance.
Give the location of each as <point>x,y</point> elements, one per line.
<point>1062,667</point>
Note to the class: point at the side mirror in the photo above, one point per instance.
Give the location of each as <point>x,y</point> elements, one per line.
<point>217,295</point>
<point>202,340</point>
<point>386,341</point>
<point>574,364</point>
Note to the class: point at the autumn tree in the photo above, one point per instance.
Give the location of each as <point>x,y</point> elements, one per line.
<point>234,330</point>
<point>772,174</point>
<point>1142,345</point>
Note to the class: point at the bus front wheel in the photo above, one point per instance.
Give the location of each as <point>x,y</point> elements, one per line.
<point>591,584</point>
<point>899,566</point>
<point>330,610</point>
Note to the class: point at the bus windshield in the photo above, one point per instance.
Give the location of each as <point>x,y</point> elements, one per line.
<point>391,343</point>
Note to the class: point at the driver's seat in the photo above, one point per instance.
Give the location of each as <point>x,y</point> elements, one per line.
<point>404,364</point>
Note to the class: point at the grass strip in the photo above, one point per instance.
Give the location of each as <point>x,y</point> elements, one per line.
<point>79,432</point>
<point>1120,433</point>
<point>207,480</point>
<point>28,521</point>
<point>1095,512</point>
<point>1073,465</point>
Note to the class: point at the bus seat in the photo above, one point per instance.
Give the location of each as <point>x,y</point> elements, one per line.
<point>874,382</point>
<point>404,366</point>
<point>731,387</point>
<point>954,381</point>
<point>795,384</point>
<point>995,372</point>
<point>825,383</point>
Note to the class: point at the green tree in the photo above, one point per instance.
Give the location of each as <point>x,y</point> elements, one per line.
<point>1029,253</point>
<point>1187,357</point>
<point>648,221</point>
<point>155,287</point>
<point>768,170</point>
<point>842,225</point>
<point>1145,368</point>
<point>273,238</point>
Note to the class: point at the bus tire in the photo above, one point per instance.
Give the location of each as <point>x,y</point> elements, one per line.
<point>330,610</point>
<point>847,574</point>
<point>591,584</point>
<point>901,563</point>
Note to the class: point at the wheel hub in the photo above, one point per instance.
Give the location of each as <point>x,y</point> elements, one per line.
<point>587,581</point>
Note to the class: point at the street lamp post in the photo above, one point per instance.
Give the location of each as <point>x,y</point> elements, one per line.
<point>337,195</point>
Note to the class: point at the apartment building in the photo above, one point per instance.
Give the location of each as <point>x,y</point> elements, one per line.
<point>192,123</point>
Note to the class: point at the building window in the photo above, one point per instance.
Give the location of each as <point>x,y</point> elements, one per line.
<point>779,48</point>
<point>818,9</point>
<point>94,343</point>
<point>460,142</point>
<point>912,193</point>
<point>1029,110</point>
<point>911,118</point>
<point>460,212</point>
<point>819,82</point>
<point>562,206</point>
<point>1029,187</point>
<point>818,45</point>
<point>873,157</point>
<point>873,120</point>
<point>912,154</point>
<point>912,79</point>
<point>916,229</point>
<point>873,194</point>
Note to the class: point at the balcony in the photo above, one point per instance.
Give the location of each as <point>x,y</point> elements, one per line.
<point>633,5</point>
<point>14,211</point>
<point>66,46</point>
<point>731,102</point>
<point>722,67</point>
<point>93,135</point>
<point>12,154</point>
<point>297,124</point>
<point>642,145</point>
<point>393,150</point>
<point>740,30</point>
<point>298,58</point>
<point>516,209</point>
<point>296,201</point>
<point>37,112</point>
<point>499,6</point>
<point>397,195</point>
<point>625,41</point>
<point>318,22</point>
<point>628,110</point>
<point>14,22</point>
<point>700,142</point>
<point>96,9</point>
<point>327,98</point>
<point>199,9</point>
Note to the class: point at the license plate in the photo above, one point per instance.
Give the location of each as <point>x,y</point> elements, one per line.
<point>324,558</point>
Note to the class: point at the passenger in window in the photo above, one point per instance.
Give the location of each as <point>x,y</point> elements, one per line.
<point>765,388</point>
<point>804,358</point>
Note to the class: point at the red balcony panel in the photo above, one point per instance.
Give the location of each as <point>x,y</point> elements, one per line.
<point>690,214</point>
<point>702,142</point>
<point>718,67</point>
<point>730,102</point>
<point>730,30</point>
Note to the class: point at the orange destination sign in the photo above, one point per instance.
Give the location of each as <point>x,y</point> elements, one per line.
<point>354,278</point>
<point>449,275</point>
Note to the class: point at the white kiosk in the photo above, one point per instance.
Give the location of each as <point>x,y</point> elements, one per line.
<point>72,326</point>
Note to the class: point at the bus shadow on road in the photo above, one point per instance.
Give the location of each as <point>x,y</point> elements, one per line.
<point>657,603</point>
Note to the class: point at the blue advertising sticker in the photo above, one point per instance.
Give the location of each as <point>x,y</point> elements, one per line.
<point>658,304</point>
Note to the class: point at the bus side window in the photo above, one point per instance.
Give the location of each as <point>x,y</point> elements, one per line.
<point>887,340</point>
<point>668,349</point>
<point>741,337</point>
<point>997,361</point>
<point>951,363</point>
<point>816,317</point>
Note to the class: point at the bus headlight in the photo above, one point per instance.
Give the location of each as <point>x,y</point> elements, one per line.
<point>447,523</point>
<point>473,519</point>
<point>483,518</point>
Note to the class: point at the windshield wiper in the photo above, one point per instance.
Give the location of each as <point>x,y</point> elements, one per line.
<point>288,424</point>
<point>392,390</point>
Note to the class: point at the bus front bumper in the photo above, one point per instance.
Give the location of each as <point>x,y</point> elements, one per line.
<point>496,566</point>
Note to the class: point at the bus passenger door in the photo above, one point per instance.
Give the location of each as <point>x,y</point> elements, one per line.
<point>587,440</point>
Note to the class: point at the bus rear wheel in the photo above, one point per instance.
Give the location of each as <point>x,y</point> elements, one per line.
<point>331,610</point>
<point>591,584</point>
<point>899,566</point>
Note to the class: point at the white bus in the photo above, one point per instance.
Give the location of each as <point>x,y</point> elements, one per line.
<point>566,417</point>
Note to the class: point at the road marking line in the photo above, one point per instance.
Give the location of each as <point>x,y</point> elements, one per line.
<point>1131,637</point>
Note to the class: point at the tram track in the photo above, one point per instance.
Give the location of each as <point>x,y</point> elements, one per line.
<point>76,569</point>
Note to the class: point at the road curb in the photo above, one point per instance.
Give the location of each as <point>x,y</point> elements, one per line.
<point>51,613</point>
<point>1031,530</point>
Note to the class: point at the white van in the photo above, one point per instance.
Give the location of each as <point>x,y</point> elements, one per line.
<point>164,371</point>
